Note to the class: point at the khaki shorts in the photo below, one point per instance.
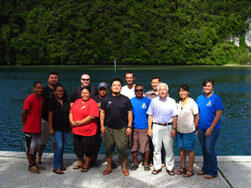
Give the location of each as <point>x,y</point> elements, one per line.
<point>45,133</point>
<point>118,138</point>
<point>140,140</point>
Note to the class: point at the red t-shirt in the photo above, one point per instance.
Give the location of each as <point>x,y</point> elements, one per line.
<point>33,121</point>
<point>81,110</point>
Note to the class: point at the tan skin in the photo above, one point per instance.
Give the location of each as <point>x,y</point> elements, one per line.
<point>208,92</point>
<point>116,88</point>
<point>85,96</point>
<point>184,95</point>
<point>129,80</point>
<point>37,90</point>
<point>139,91</point>
<point>154,84</point>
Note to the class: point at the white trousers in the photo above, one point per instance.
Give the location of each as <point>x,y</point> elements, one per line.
<point>162,134</point>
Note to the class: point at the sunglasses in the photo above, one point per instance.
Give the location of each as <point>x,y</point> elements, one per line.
<point>85,79</point>
<point>139,90</point>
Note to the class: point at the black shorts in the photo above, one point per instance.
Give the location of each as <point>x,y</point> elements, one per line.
<point>85,145</point>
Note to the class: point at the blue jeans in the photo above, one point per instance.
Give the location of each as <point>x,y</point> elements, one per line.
<point>208,143</point>
<point>60,137</point>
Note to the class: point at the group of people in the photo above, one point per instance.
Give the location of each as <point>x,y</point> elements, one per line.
<point>128,118</point>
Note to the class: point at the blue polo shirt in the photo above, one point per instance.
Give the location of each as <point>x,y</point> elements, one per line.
<point>140,107</point>
<point>207,110</point>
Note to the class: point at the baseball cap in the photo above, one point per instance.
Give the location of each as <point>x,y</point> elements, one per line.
<point>103,85</point>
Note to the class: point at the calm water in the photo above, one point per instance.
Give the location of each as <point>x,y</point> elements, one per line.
<point>233,85</point>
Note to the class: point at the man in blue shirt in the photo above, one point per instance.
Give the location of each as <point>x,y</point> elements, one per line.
<point>140,139</point>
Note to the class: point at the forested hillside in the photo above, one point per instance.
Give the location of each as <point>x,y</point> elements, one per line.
<point>128,31</point>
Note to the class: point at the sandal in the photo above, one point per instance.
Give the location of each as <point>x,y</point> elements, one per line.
<point>201,173</point>
<point>134,166</point>
<point>154,172</point>
<point>207,176</point>
<point>107,171</point>
<point>58,171</point>
<point>76,167</point>
<point>188,174</point>
<point>84,169</point>
<point>181,171</point>
<point>170,172</point>
<point>147,168</point>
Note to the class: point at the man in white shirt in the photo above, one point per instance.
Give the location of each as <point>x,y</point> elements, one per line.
<point>162,124</point>
<point>128,89</point>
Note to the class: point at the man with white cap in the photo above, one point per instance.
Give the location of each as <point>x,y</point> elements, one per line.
<point>162,124</point>
<point>85,82</point>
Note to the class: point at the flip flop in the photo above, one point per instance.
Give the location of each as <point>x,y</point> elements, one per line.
<point>76,167</point>
<point>154,172</point>
<point>188,174</point>
<point>170,172</point>
<point>84,169</point>
<point>107,171</point>
<point>181,171</point>
<point>58,171</point>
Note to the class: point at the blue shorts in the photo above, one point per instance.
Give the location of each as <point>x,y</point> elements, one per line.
<point>186,141</point>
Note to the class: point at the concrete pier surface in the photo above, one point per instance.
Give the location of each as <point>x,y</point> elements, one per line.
<point>234,171</point>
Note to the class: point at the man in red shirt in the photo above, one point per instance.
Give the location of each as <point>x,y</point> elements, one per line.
<point>31,119</point>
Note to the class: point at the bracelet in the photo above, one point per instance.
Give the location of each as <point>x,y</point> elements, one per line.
<point>130,127</point>
<point>174,128</point>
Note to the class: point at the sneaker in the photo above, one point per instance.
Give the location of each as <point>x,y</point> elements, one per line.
<point>134,166</point>
<point>34,169</point>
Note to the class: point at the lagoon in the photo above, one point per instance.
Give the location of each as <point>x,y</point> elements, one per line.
<point>233,85</point>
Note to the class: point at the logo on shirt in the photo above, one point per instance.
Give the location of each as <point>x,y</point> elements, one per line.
<point>109,102</point>
<point>209,103</point>
<point>83,107</point>
<point>143,106</point>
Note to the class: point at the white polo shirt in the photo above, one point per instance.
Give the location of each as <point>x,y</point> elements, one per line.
<point>186,114</point>
<point>162,111</point>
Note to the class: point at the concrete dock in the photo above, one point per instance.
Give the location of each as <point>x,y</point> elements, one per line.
<point>234,171</point>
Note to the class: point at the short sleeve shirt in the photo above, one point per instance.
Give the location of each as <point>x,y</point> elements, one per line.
<point>81,110</point>
<point>186,114</point>
<point>116,111</point>
<point>47,95</point>
<point>60,118</point>
<point>207,110</point>
<point>140,107</point>
<point>34,106</point>
<point>130,93</point>
<point>162,111</point>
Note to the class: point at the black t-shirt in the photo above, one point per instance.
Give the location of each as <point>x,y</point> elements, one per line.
<point>116,111</point>
<point>47,95</point>
<point>60,114</point>
<point>76,94</point>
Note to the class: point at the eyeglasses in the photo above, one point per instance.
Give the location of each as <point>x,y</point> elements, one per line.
<point>85,79</point>
<point>139,90</point>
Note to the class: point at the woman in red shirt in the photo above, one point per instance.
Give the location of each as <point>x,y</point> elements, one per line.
<point>83,121</point>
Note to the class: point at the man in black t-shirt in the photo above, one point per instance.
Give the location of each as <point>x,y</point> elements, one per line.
<point>47,94</point>
<point>85,82</point>
<point>116,124</point>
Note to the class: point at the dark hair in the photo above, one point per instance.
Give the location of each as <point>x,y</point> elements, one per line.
<point>129,72</point>
<point>36,82</point>
<point>85,87</point>
<point>139,85</point>
<point>208,80</point>
<point>156,77</point>
<point>184,87</point>
<point>58,85</point>
<point>52,73</point>
<point>116,79</point>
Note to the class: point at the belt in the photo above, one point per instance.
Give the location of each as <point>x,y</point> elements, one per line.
<point>163,124</point>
